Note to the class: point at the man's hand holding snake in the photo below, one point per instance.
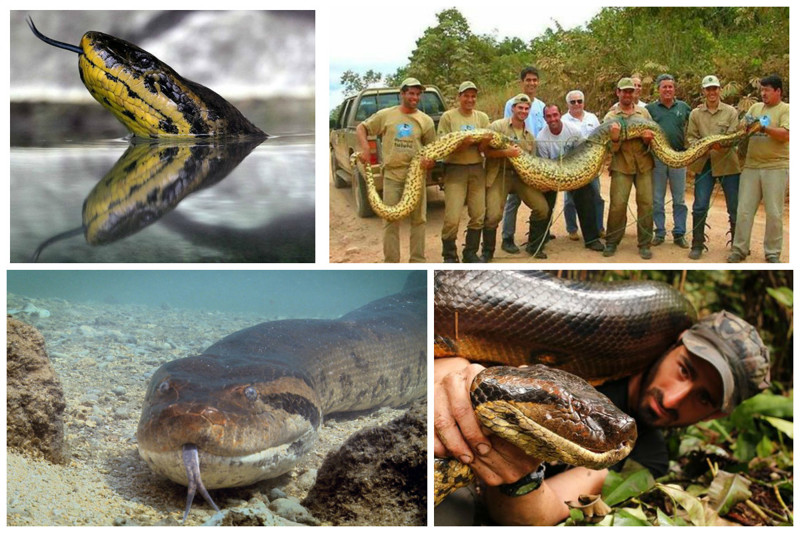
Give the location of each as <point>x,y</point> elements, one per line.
<point>459,434</point>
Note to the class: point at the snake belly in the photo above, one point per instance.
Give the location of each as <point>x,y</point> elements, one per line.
<point>575,170</point>
<point>252,403</point>
<point>598,331</point>
<point>147,95</point>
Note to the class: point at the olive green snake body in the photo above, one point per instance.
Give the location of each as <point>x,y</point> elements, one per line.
<point>578,168</point>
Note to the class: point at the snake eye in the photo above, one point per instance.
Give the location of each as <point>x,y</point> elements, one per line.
<point>163,387</point>
<point>251,394</point>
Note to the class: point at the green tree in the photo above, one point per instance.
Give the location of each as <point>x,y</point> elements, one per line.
<point>354,82</point>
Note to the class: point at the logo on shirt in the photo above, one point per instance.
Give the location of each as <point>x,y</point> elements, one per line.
<point>467,127</point>
<point>403,130</point>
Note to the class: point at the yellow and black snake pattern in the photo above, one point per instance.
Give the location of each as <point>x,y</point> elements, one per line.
<point>147,95</point>
<point>571,172</point>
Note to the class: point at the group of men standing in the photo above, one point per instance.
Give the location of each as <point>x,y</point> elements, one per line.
<point>482,177</point>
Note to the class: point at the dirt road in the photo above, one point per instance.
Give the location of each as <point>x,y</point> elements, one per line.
<point>359,240</point>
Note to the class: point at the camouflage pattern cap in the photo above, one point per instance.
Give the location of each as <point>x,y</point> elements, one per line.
<point>625,83</point>
<point>736,351</point>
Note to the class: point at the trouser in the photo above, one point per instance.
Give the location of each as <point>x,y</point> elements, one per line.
<point>392,191</point>
<point>510,216</point>
<point>584,201</point>
<point>463,183</point>
<point>704,187</point>
<point>618,206</point>
<point>676,179</point>
<point>498,192</point>
<point>570,212</point>
<point>755,184</point>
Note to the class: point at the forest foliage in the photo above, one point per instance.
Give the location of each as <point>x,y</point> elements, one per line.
<point>739,45</point>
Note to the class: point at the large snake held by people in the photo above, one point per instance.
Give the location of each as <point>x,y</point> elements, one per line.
<point>579,167</point>
<point>251,405</point>
<point>598,331</point>
<point>147,95</point>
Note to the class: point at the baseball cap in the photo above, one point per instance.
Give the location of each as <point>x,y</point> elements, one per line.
<point>520,98</point>
<point>411,82</point>
<point>465,86</point>
<point>710,81</point>
<point>625,83</point>
<point>736,351</point>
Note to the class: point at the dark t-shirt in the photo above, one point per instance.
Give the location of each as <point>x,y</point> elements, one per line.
<point>650,450</point>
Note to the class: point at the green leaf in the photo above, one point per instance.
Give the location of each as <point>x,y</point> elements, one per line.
<point>726,490</point>
<point>765,447</point>
<point>745,448</point>
<point>632,482</point>
<point>630,517</point>
<point>665,520</point>
<point>786,426</point>
<point>783,295</point>
<point>692,505</point>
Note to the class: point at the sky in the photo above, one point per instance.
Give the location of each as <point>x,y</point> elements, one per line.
<point>388,49</point>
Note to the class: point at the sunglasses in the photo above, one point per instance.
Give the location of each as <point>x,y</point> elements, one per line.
<point>576,102</point>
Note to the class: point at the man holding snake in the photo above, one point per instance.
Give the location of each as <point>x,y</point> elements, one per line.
<point>718,363</point>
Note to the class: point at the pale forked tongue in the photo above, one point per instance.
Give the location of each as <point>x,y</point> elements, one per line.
<point>192,463</point>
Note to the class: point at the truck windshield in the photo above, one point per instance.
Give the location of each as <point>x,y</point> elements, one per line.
<point>429,104</point>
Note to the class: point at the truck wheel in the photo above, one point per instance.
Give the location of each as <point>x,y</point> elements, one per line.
<point>363,209</point>
<point>338,182</point>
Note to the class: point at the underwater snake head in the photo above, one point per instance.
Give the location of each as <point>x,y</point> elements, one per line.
<point>245,420</point>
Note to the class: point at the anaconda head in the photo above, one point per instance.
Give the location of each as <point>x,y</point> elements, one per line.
<point>553,415</point>
<point>248,421</point>
<point>149,97</point>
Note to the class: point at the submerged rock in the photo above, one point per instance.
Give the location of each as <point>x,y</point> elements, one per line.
<point>378,477</point>
<point>35,399</point>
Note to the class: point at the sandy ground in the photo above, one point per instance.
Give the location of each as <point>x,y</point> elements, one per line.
<point>359,240</point>
<point>104,355</point>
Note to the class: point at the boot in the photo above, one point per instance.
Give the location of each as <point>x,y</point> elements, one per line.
<point>536,238</point>
<point>698,237</point>
<point>489,243</point>
<point>449,251</point>
<point>473,240</point>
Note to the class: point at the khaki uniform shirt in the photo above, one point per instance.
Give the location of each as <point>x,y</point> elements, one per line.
<point>526,142</point>
<point>402,136</point>
<point>633,155</point>
<point>453,120</point>
<point>704,123</point>
<point>764,151</point>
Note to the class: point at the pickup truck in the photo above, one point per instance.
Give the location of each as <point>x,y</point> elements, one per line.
<point>343,141</point>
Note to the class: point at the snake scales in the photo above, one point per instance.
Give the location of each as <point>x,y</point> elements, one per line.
<point>147,95</point>
<point>251,405</point>
<point>575,170</point>
<point>598,331</point>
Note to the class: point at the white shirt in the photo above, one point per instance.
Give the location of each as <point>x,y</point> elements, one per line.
<point>586,125</point>
<point>552,146</point>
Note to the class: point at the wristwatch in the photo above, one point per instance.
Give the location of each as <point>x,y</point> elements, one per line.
<point>525,484</point>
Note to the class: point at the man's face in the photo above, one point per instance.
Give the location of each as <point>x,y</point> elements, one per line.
<point>575,102</point>
<point>411,97</point>
<point>467,99</point>
<point>625,97</point>
<point>769,95</point>
<point>530,84</point>
<point>711,94</point>
<point>553,118</point>
<point>679,390</point>
<point>521,111</point>
<point>637,87</point>
<point>666,90</point>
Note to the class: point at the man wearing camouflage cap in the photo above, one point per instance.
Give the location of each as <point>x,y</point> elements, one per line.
<point>713,367</point>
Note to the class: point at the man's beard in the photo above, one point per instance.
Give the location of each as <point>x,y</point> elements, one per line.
<point>643,411</point>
